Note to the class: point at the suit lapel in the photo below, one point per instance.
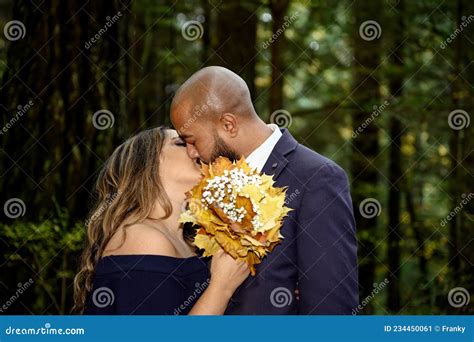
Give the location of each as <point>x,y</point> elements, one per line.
<point>277,160</point>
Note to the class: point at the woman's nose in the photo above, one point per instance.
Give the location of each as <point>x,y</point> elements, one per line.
<point>192,151</point>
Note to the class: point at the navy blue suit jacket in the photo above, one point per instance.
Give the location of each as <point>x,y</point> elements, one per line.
<point>318,254</point>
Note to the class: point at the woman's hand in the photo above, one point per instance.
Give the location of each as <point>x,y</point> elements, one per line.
<point>227,274</point>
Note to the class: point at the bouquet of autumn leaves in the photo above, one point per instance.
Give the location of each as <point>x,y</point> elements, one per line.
<point>236,209</point>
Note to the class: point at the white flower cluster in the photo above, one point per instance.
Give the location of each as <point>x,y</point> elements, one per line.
<point>223,191</point>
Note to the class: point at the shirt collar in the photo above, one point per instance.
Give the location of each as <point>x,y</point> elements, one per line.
<point>259,156</point>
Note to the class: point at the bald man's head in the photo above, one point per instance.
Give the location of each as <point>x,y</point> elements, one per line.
<point>216,88</point>
<point>210,108</point>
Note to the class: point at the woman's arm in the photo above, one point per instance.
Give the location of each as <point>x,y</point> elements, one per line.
<point>227,275</point>
<point>212,302</point>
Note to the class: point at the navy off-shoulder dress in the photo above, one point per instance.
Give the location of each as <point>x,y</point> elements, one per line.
<point>147,285</point>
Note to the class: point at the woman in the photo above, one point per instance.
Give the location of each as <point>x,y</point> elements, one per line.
<point>137,260</point>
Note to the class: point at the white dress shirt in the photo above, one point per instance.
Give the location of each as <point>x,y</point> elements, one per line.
<point>260,155</point>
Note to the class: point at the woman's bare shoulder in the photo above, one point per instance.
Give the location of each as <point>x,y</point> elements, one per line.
<point>140,238</point>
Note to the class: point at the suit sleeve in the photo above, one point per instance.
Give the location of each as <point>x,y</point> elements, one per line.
<point>327,245</point>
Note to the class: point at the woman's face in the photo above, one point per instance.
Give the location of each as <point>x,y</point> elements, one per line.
<point>176,168</point>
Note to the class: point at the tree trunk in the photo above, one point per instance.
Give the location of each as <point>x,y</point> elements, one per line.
<point>466,167</point>
<point>48,151</point>
<point>395,169</point>
<point>236,39</point>
<point>366,94</point>
<point>456,183</point>
<point>206,35</point>
<point>278,9</point>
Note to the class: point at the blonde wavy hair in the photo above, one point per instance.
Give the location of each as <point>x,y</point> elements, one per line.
<point>127,189</point>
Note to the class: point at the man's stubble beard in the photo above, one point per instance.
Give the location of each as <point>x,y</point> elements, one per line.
<point>224,150</point>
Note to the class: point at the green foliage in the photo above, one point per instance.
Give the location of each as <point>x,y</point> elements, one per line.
<point>47,252</point>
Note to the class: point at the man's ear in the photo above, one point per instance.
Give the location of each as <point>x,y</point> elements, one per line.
<point>230,124</point>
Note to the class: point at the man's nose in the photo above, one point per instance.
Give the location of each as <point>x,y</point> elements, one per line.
<point>192,151</point>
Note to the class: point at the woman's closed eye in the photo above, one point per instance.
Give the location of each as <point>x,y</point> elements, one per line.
<point>180,142</point>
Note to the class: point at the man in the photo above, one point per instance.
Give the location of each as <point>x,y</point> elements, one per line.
<point>213,112</point>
